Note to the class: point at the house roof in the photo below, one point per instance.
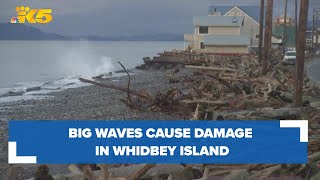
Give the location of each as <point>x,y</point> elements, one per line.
<point>282,16</point>
<point>217,21</point>
<point>225,40</point>
<point>290,39</point>
<point>252,11</point>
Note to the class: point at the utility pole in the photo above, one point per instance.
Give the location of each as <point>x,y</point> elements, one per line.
<point>261,30</point>
<point>296,20</point>
<point>312,37</point>
<point>267,37</point>
<point>316,16</point>
<point>284,36</point>
<point>298,84</point>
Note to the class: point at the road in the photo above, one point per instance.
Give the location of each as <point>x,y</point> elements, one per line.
<point>313,69</point>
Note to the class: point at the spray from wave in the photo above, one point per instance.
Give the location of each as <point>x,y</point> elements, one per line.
<point>85,64</point>
<point>105,66</point>
<point>68,67</point>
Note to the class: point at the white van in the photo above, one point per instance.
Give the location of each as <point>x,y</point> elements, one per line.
<point>290,57</point>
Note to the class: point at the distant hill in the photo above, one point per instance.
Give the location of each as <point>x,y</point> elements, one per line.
<point>146,37</point>
<point>10,31</point>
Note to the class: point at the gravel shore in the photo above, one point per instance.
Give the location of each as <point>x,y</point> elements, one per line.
<point>84,103</point>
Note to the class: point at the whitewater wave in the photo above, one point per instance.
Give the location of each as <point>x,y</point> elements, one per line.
<point>73,66</point>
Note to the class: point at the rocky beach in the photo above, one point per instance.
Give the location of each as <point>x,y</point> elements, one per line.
<point>83,103</point>
<point>222,89</point>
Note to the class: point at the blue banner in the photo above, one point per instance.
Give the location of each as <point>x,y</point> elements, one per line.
<point>219,142</point>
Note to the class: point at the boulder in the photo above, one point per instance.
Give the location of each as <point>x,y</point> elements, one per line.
<point>13,93</point>
<point>35,88</point>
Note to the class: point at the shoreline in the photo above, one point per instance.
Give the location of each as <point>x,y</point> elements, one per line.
<point>36,90</point>
<point>87,103</point>
<point>84,103</point>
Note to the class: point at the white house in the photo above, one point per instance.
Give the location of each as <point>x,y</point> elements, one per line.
<point>218,35</point>
<point>251,15</point>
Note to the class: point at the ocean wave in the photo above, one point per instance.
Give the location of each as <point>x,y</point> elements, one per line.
<point>72,68</point>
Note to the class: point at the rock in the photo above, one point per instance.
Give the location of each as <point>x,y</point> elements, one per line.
<point>173,81</point>
<point>156,66</point>
<point>162,68</point>
<point>168,66</point>
<point>141,67</point>
<point>146,59</point>
<point>12,93</point>
<point>316,177</point>
<point>69,84</point>
<point>241,174</point>
<point>35,88</point>
<point>178,66</point>
<point>187,173</point>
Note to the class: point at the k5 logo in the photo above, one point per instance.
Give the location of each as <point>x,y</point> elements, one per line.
<point>42,16</point>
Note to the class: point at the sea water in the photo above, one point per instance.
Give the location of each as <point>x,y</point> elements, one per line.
<point>56,65</point>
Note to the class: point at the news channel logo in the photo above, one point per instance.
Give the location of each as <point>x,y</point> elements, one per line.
<point>33,16</point>
<point>14,20</point>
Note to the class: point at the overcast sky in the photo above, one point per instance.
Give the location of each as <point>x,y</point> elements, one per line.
<point>126,17</point>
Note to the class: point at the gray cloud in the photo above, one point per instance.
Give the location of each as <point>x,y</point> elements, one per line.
<point>126,17</point>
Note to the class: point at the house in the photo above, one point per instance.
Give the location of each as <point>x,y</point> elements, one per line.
<point>309,39</point>
<point>251,16</point>
<point>218,35</point>
<point>290,40</point>
<point>280,21</point>
<point>226,44</point>
<point>276,41</point>
<point>316,37</point>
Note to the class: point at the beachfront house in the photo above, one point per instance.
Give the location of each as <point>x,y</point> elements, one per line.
<point>279,20</point>
<point>290,40</point>
<point>309,39</point>
<point>276,41</point>
<point>218,35</point>
<point>251,15</point>
<point>316,36</point>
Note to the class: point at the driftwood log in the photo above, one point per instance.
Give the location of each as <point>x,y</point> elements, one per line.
<point>138,174</point>
<point>283,113</point>
<point>104,172</point>
<point>88,173</point>
<point>141,94</point>
<point>211,68</point>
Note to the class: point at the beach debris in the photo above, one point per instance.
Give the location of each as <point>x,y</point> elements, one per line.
<point>231,87</point>
<point>88,173</point>
<point>11,173</point>
<point>104,171</point>
<point>129,100</point>
<point>43,173</point>
<point>138,174</point>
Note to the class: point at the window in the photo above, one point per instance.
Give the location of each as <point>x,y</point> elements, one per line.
<point>202,45</point>
<point>203,30</point>
<point>257,36</point>
<point>291,53</point>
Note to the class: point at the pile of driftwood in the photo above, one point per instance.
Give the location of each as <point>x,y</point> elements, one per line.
<point>235,88</point>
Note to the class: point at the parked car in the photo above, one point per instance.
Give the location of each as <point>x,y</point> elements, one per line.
<point>290,57</point>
